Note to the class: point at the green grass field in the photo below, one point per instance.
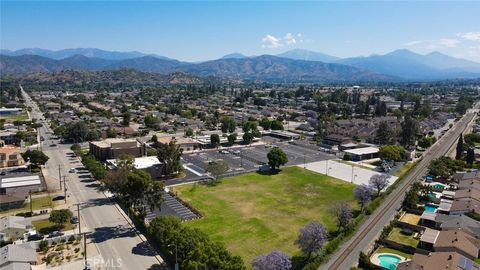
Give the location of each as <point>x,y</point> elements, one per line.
<point>254,214</point>
<point>45,227</point>
<point>19,117</point>
<point>399,237</point>
<point>37,203</point>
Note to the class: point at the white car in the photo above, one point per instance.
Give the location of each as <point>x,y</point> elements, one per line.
<point>72,170</point>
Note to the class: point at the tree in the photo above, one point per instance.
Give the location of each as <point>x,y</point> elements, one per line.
<point>228,124</point>
<point>43,245</point>
<point>76,148</point>
<point>392,152</point>
<point>459,149</point>
<point>470,156</point>
<point>276,125</point>
<point>35,157</point>
<point>444,167</point>
<point>217,169</point>
<point>169,155</point>
<point>275,260</point>
<point>311,238</point>
<point>363,194</point>
<point>77,131</point>
<point>249,126</point>
<point>265,123</point>
<point>247,137</point>
<point>60,217</point>
<point>141,190</point>
<point>232,138</point>
<point>379,182</point>
<point>426,142</point>
<point>189,132</point>
<point>215,140</point>
<point>384,134</point>
<point>276,158</point>
<point>111,133</point>
<point>409,130</point>
<point>154,138</point>
<point>126,116</point>
<point>343,214</point>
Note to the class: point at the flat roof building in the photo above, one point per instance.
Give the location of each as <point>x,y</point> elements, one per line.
<point>114,147</point>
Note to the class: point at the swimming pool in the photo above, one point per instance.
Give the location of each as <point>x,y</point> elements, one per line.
<point>389,261</point>
<point>430,208</point>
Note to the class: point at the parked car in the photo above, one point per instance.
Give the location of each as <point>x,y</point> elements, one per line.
<point>35,237</point>
<point>55,234</point>
<point>74,220</point>
<point>72,170</point>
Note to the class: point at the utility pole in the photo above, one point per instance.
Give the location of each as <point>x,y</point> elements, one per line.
<point>85,249</point>
<point>352,173</point>
<point>65,188</point>
<point>304,161</point>
<point>326,167</point>
<point>78,216</point>
<point>31,204</point>
<point>60,176</point>
<point>241,159</point>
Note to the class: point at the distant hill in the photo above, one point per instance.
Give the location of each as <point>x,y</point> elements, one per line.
<point>88,52</point>
<point>150,64</point>
<point>299,54</point>
<point>410,65</point>
<point>234,56</point>
<point>272,68</point>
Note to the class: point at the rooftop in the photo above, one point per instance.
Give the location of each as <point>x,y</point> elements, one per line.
<point>141,162</point>
<point>20,181</point>
<point>362,151</point>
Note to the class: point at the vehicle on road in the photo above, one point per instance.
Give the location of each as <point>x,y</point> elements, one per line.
<point>55,234</point>
<point>35,237</point>
<point>72,170</point>
<point>224,152</point>
<point>53,144</point>
<point>58,198</point>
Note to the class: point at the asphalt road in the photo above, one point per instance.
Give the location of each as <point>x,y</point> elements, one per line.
<point>347,255</point>
<point>115,239</point>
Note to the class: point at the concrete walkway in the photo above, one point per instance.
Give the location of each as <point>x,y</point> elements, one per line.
<point>347,173</point>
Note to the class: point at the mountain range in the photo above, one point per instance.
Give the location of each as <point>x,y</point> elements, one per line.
<point>291,66</point>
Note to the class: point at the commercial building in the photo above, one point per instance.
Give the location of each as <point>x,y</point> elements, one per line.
<point>113,148</point>
<point>14,189</point>
<point>9,111</point>
<point>149,164</point>
<point>359,154</point>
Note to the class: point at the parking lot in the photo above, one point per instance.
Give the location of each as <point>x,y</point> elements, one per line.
<point>247,159</point>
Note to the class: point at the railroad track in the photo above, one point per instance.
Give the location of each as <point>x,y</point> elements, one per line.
<point>412,176</point>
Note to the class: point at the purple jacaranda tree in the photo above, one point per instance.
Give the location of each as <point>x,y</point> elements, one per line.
<point>311,238</point>
<point>379,182</point>
<point>311,114</point>
<point>363,194</point>
<point>275,260</point>
<point>343,214</point>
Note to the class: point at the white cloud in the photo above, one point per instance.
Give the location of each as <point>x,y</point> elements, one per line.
<point>433,43</point>
<point>448,42</point>
<point>270,41</point>
<point>473,36</point>
<point>290,39</point>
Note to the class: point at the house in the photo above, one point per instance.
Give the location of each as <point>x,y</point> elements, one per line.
<point>17,257</point>
<point>438,261</point>
<point>335,140</point>
<point>13,227</point>
<point>186,144</point>
<point>458,241</point>
<point>10,156</point>
<point>114,147</point>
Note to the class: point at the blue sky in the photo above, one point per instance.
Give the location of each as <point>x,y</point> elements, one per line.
<point>195,31</point>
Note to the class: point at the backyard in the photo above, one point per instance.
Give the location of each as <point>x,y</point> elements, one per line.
<point>397,235</point>
<point>37,203</point>
<point>256,213</point>
<point>45,227</point>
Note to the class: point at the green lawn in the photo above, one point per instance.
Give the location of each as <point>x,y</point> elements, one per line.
<point>254,213</point>
<point>45,227</point>
<point>37,203</point>
<point>401,238</point>
<point>406,168</point>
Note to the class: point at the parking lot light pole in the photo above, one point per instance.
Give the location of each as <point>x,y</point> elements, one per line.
<point>176,255</point>
<point>304,161</point>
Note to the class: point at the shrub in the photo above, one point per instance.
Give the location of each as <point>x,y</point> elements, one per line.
<point>43,245</point>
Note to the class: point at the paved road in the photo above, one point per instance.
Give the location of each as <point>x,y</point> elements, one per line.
<point>347,255</point>
<point>116,240</point>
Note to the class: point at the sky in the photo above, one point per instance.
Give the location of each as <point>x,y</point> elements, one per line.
<point>197,31</point>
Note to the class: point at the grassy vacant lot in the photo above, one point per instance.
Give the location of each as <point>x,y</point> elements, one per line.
<point>44,226</point>
<point>254,213</point>
<point>37,203</point>
<point>19,117</point>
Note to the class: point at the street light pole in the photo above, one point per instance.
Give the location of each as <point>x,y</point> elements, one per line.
<point>176,256</point>
<point>78,216</point>
<point>60,176</point>
<point>65,188</point>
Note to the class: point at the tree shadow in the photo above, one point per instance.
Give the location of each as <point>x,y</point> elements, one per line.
<point>269,172</point>
<point>103,234</point>
<point>97,202</point>
<point>93,185</point>
<point>143,249</point>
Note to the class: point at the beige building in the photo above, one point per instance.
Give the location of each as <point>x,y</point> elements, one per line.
<point>10,156</point>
